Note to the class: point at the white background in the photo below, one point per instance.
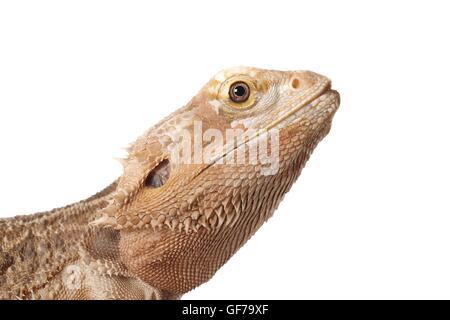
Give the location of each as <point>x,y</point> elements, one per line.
<point>370,215</point>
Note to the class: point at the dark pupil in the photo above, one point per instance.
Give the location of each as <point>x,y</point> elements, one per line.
<point>239,91</point>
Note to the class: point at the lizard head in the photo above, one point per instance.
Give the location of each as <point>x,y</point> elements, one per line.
<point>198,184</point>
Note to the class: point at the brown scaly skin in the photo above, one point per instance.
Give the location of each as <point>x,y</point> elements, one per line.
<point>165,227</point>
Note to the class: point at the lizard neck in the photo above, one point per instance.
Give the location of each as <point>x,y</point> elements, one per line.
<point>43,243</point>
<point>177,262</point>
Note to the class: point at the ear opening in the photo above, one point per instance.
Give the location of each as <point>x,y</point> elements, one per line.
<point>159,175</point>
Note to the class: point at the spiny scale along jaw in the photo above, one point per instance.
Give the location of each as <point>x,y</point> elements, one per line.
<point>197,185</point>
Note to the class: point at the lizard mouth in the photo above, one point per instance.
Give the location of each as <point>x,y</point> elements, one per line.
<point>324,104</point>
<point>326,99</point>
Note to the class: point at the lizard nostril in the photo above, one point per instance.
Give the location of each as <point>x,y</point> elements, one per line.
<point>295,83</point>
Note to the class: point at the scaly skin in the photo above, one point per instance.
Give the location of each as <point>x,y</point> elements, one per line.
<point>167,225</point>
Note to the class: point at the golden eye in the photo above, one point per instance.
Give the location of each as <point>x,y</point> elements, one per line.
<point>239,92</point>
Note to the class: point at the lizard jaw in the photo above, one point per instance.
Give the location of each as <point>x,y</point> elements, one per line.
<point>324,104</point>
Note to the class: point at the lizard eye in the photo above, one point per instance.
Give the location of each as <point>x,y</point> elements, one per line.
<point>239,92</point>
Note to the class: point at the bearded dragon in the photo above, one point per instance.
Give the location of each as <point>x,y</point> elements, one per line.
<point>195,187</point>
